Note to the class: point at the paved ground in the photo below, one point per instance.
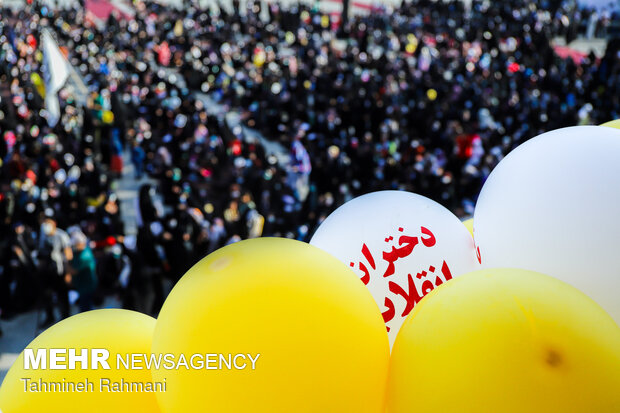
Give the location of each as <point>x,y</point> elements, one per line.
<point>17,333</point>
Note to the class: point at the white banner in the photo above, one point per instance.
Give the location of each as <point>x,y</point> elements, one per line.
<point>55,73</point>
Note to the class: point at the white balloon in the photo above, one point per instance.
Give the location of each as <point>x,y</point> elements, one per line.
<point>552,206</point>
<point>402,246</point>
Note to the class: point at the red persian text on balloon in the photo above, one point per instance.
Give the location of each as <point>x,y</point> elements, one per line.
<point>410,294</point>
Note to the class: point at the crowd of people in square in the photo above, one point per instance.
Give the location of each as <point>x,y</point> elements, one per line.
<point>426,98</point>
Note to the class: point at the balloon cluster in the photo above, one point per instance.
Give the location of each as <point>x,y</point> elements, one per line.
<point>393,306</point>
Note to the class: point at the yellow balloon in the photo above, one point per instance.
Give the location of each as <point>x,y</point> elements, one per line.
<point>321,337</point>
<point>107,117</point>
<point>117,331</point>
<point>506,340</point>
<point>469,224</point>
<point>431,94</point>
<point>612,124</point>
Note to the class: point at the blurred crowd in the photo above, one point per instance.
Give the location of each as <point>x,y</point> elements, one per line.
<point>426,98</point>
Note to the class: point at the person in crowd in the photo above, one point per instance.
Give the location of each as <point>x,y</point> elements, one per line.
<point>19,273</point>
<point>54,255</point>
<point>83,275</point>
<point>137,159</point>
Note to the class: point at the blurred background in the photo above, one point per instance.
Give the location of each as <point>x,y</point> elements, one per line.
<point>138,137</point>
